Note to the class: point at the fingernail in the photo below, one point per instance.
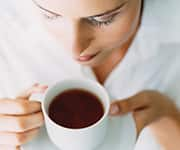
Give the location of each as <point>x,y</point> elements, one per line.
<point>114,109</point>
<point>44,86</point>
<point>39,88</point>
<point>36,84</point>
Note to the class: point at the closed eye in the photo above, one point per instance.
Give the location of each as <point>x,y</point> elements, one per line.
<point>97,20</point>
<point>100,22</point>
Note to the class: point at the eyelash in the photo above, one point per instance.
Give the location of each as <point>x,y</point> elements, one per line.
<point>101,23</point>
<point>52,17</point>
<point>91,20</point>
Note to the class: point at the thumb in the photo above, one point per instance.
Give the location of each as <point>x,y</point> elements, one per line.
<point>36,88</point>
<point>120,107</point>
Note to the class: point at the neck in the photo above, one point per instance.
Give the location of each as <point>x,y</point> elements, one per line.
<point>102,71</point>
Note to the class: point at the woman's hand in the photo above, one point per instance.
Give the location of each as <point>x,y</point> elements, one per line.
<point>147,107</point>
<point>20,119</point>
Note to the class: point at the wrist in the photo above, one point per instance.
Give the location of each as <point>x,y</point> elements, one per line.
<point>167,131</point>
<point>173,118</point>
<point>166,124</point>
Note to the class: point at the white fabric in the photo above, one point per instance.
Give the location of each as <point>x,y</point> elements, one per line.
<point>28,55</point>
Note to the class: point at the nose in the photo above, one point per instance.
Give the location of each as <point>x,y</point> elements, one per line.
<point>79,39</point>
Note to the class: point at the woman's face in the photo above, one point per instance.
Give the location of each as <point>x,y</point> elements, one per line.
<point>92,28</point>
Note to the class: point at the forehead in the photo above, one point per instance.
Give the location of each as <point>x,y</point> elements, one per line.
<point>79,8</point>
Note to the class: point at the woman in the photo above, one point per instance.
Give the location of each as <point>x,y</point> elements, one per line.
<point>103,37</point>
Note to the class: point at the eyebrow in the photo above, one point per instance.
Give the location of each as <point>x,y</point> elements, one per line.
<point>49,11</point>
<point>99,15</point>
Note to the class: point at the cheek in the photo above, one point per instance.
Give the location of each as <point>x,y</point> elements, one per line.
<point>120,31</point>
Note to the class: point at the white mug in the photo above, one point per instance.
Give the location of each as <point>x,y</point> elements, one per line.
<point>87,138</point>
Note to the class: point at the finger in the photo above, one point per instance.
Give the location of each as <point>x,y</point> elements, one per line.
<point>20,123</point>
<point>9,147</point>
<point>36,88</point>
<point>9,138</point>
<point>18,107</point>
<point>136,102</point>
<point>143,118</point>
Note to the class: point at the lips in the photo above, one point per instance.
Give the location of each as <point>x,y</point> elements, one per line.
<point>87,57</point>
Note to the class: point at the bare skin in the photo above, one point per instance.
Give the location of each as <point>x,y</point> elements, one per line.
<point>153,109</point>
<point>20,119</point>
<point>103,70</point>
<point>82,38</point>
<point>86,30</point>
<point>82,35</point>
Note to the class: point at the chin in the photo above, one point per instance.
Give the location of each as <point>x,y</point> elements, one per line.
<point>93,63</point>
<point>90,64</point>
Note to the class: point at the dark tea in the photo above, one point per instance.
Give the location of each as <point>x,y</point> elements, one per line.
<point>76,108</point>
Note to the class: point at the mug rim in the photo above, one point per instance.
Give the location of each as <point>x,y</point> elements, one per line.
<point>81,80</point>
